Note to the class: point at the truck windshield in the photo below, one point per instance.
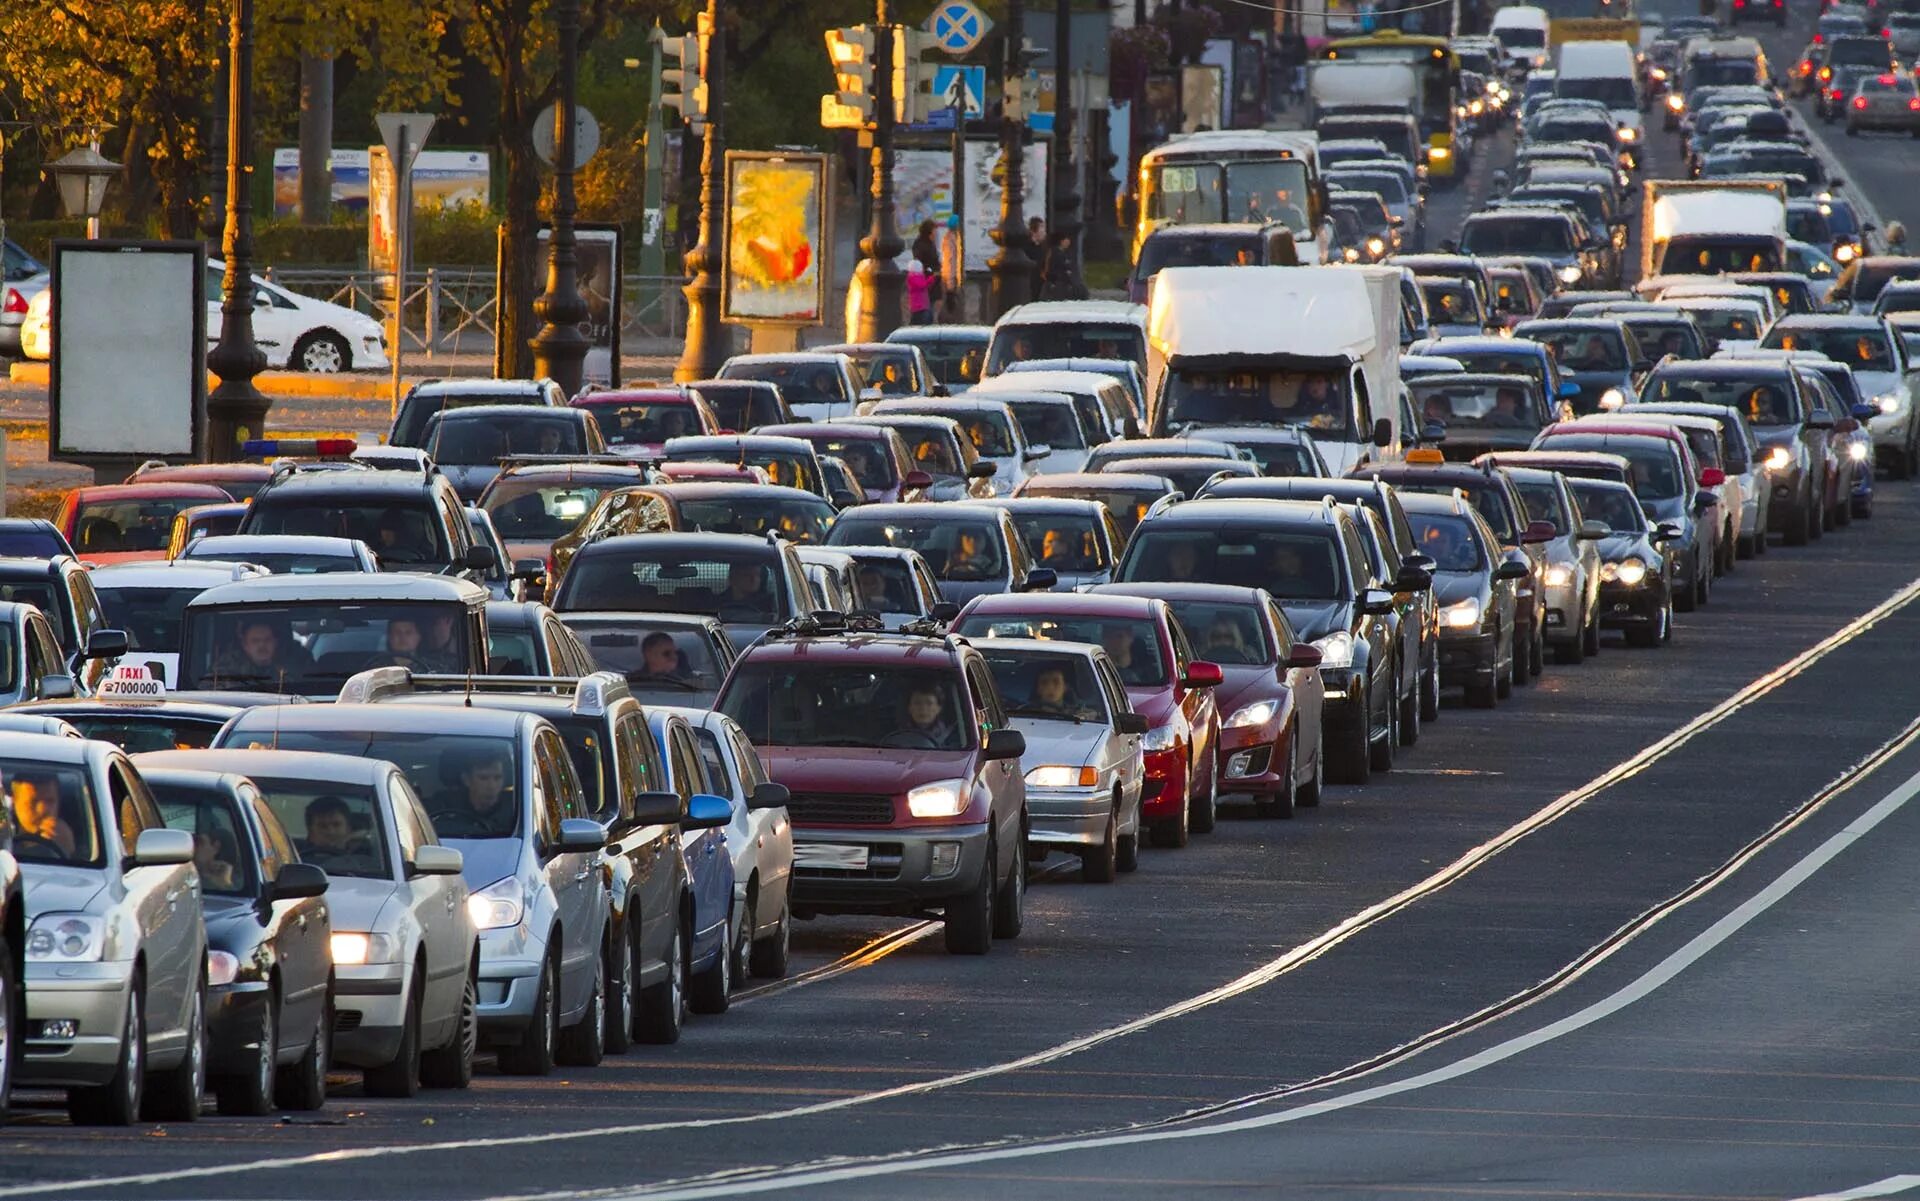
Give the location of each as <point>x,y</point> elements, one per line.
<point>1316,400</point>
<point>1718,254</point>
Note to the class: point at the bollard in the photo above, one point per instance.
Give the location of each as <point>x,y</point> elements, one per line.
<point>433,311</point>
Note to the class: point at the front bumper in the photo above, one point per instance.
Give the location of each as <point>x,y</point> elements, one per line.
<point>1250,760</point>
<point>901,875</point>
<point>92,995</point>
<point>1562,615</point>
<point>1468,657</point>
<point>369,1013</point>
<point>1165,788</point>
<point>1068,817</point>
<point>511,962</point>
<point>1624,607</point>
<point>1890,429</point>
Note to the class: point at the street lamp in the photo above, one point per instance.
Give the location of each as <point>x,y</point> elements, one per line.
<point>81,175</point>
<point>559,348</point>
<point>706,346</point>
<point>1011,265</point>
<point>237,410</point>
<point>878,279</point>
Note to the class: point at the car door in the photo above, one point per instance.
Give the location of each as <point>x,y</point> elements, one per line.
<point>306,948</point>
<point>1309,693</point>
<point>651,850</point>
<point>1120,754</point>
<point>579,889</point>
<point>771,829</point>
<point>702,849</point>
<point>166,901</point>
<point>426,896</point>
<point>1002,777</point>
<point>1196,703</point>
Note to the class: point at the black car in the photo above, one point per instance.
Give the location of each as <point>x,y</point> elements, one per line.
<point>525,638</point>
<point>61,588</point>
<point>743,405</point>
<point>269,941</point>
<point>1310,556</point>
<point>973,550</point>
<point>32,538</point>
<point>471,445</point>
<point>428,397</point>
<point>413,520</point>
<point>749,584</point>
<point>1476,586</point>
<point>1636,570</point>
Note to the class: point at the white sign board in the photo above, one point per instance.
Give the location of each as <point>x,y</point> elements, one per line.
<point>923,190</point>
<point>129,371</point>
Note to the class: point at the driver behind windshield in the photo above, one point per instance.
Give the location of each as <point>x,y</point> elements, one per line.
<point>659,658</point>
<point>926,716</point>
<point>259,655</point>
<point>474,803</point>
<point>331,844</point>
<point>36,807</point>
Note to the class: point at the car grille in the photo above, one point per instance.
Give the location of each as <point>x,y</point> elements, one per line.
<point>840,809</point>
<point>345,1019</point>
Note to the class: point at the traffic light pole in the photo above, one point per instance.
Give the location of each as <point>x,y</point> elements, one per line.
<point>1011,266</point>
<point>706,346</point>
<point>878,278</point>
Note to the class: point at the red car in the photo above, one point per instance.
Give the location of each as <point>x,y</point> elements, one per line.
<point>238,480</point>
<point>638,421</point>
<point>878,457</point>
<point>1166,681</point>
<point>125,523</point>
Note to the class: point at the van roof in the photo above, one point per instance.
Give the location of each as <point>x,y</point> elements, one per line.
<point>1200,312</point>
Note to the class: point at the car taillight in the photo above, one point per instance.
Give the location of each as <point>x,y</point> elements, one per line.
<point>1914,104</point>
<point>1859,102</point>
<point>1886,81</point>
<point>14,303</point>
<point>1817,39</point>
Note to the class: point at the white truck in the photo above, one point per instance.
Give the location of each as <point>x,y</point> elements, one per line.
<point>1313,347</point>
<point>1340,85</point>
<point>1712,226</point>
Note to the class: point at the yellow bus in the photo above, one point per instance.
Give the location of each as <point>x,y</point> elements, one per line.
<point>1437,70</point>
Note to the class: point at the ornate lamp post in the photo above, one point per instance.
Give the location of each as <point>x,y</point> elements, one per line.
<point>1011,266</point>
<point>879,279</point>
<point>1064,229</point>
<point>237,410</point>
<point>706,346</point>
<point>559,348</point>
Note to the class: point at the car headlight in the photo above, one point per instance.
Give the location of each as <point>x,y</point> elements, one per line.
<point>1336,649</point>
<point>1569,274</point>
<point>1056,776</point>
<point>1888,402</point>
<point>943,798</point>
<point>1779,459</point>
<point>1627,571</point>
<point>1438,153</point>
<point>1476,107</point>
<point>1257,714</point>
<point>1857,451</point>
<point>1375,245</point>
<point>1558,575</point>
<point>1628,133</point>
<point>1462,615</point>
<point>499,905</point>
<point>1351,254</point>
<point>1844,252</point>
<point>355,947</point>
<point>223,968</point>
<point>67,938</point>
<point>1613,398</point>
<point>1659,74</point>
<point>1675,103</point>
<point>1159,738</point>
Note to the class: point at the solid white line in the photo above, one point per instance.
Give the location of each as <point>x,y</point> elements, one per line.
<point>1289,961</point>
<point>1879,1188</point>
<point>1657,977</point>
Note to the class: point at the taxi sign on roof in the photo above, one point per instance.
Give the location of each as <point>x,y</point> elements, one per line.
<point>131,682</point>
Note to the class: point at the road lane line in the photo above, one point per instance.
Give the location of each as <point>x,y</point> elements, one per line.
<point>1889,1187</point>
<point>865,955</point>
<point>1289,961</point>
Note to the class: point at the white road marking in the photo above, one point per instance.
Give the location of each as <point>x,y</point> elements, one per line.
<point>1287,962</point>
<point>1879,1188</point>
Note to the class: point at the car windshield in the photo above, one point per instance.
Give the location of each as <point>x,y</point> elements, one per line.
<point>1766,401</point>
<point>934,450</point>
<point>30,544</point>
<point>1448,539</point>
<point>472,440</point>
<point>221,851</point>
<point>1584,350</point>
<point>1316,400</point>
<point>1724,322</point>
<point>311,647</point>
<point>54,819</point>
<point>664,660</point>
<point>952,361</point>
<point>816,704</point>
<point>801,382</point>
<point>887,586</point>
<point>529,510</point>
<point>633,577</point>
<point>141,730</point>
<point>1391,186</point>
<point>406,533</point>
<point>890,372</point>
<point>1132,642</point>
<point>1051,687</point>
<point>1476,406</point>
<point>1451,302</point>
<point>1283,458</point>
<point>797,519</point>
<point>1497,362</point>
<point>991,433</point>
<point>1127,506</point>
<point>624,423</point>
<point>1613,506</point>
<point>1487,500</point>
<point>151,616</point>
<point>1808,223</point>
<point>1062,541</point>
<point>956,548</point>
<point>585,738</point>
<point>1176,248</point>
<point>1862,349</point>
<point>739,405</point>
<point>1064,340</point>
<point>1289,565</point>
<point>1049,423</point>
<point>1517,235</point>
<point>1872,277</point>
<point>335,826</point>
<point>1892,300</point>
<point>468,784</point>
<point>789,470</point>
<point>868,458</point>
<point>1655,338</point>
<point>1232,635</point>
<point>1543,504</point>
<point>1656,467</point>
<point>103,527</point>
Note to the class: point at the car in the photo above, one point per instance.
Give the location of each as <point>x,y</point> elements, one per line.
<point>1280,450</point>
<point>1740,455</point>
<point>1724,321</point>
<point>32,538</point>
<point>524,638</point>
<point>1049,419</point>
<point>301,333</point>
<point>816,387</point>
<point>117,523</point>
<point>1595,354</point>
<point>743,405</point>
<point>1849,449</point>
<point>878,457</point>
<point>887,368</point>
<point>1110,394</point>
<point>989,423</point>
<point>1128,496</point>
<point>146,601</point>
<point>284,554</point>
<point>305,635</point>
<point>665,658</point>
<point>830,574</point>
<point>1455,308</point>
<point>973,550</point>
<point>1636,572</point>
<point>708,913</point>
<point>1549,233</point>
<point>414,520</point>
<point>1271,694</point>
<point>1571,580</point>
<point>1470,413</point>
<point>1309,556</point>
<point>22,277</point>
<point>1077,539</point>
<point>1476,587</point>
<point>533,505</point>
<point>789,462</point>
<point>429,397</point>
<point>953,353</point>
<point>63,590</point>
<point>239,480</point>
<point>137,719</point>
<point>753,510</point>
<point>906,793</point>
<point>37,668</point>
<point>750,584</point>
<point>759,838</point>
<point>1655,331</point>
<point>201,521</point>
<point>640,421</point>
<point>470,445</point>
<point>501,789</point>
<point>1505,356</point>
<point>1881,369</point>
<point>270,1011</point>
<point>1704,438</point>
<point>116,949</point>
<point>941,449</point>
<point>1410,586</point>
<point>1860,282</point>
<point>1054,329</point>
<point>1084,768</point>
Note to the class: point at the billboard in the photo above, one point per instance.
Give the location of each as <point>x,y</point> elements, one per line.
<point>923,190</point>
<point>776,234</point>
<point>441,178</point>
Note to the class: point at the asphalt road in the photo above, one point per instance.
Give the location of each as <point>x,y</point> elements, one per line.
<point>1646,930</point>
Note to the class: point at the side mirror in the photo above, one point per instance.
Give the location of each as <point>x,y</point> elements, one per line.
<point>1377,602</point>
<point>938,389</point>
<point>1865,412</point>
<point>1041,579</point>
<point>297,881</point>
<point>1383,432</point>
<point>1569,390</point>
<point>1592,530</point>
<point>944,612</point>
<point>1434,432</point>
<point>1666,531</point>
<point>705,812</point>
<point>769,795</point>
<point>435,860</point>
<point>107,644</point>
<point>1712,477</point>
<point>479,558</point>
<point>1202,674</point>
<point>1006,744</point>
<point>843,498</point>
<point>1538,532</point>
<point>1129,723</point>
<point>580,834</point>
<point>531,570</point>
<point>657,808</point>
<point>1412,579</point>
<point>58,688</point>
<point>1421,559</point>
<point>1820,419</point>
<point>1130,428</point>
<point>984,469</point>
<point>916,480</point>
<point>1512,571</point>
<point>1039,450</point>
<point>162,848</point>
<point>1304,654</point>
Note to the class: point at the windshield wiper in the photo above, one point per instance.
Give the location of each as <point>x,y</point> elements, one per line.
<point>1046,714</point>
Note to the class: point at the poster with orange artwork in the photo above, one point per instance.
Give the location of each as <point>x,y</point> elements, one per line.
<point>776,239</point>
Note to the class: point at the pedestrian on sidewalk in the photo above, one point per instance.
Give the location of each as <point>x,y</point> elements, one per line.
<point>919,294</point>
<point>926,252</point>
<point>953,270</point>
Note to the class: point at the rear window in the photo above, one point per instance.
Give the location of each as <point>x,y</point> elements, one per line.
<point>404,533</point>
<point>1064,340</point>
<point>103,527</point>
<point>1161,251</point>
<point>1860,52</point>
<point>645,421</point>
<point>464,441</point>
<point>530,510</point>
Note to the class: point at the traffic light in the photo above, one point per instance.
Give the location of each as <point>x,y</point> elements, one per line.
<point>850,105</point>
<point>683,87</point>
<point>913,98</point>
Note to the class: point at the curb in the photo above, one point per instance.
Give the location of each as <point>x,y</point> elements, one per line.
<point>273,383</point>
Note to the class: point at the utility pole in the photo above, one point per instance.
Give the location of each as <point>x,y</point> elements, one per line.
<point>957,286</point>
<point>237,410</point>
<point>878,278</point>
<point>1010,265</point>
<point>706,348</point>
<point>559,348</point>
<point>1063,229</point>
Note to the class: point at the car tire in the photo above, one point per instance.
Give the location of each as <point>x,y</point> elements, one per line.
<point>1843,511</point>
<point>663,1006</point>
<point>1853,131</point>
<point>1309,794</point>
<point>1173,832</point>
<point>743,942</point>
<point>400,1077</point>
<point>1380,754</point>
<point>1536,654</point>
<point>1410,714</point>
<point>584,1044</point>
<point>1101,864</point>
<point>12,1013</point>
<point>174,1095</point>
<point>1010,906</point>
<point>768,959</point>
<point>1204,810</point>
<point>1483,694</point>
<point>1590,634</point>
<point>1430,689</point>
<point>250,1094</point>
<point>534,1054</point>
<point>304,1088</point>
<point>1799,525</point>
<point>1353,762</point>
<point>969,917</point>
<point>1703,588</point>
<point>710,991</point>
<point>321,352</point>
<point>1281,803</point>
<point>623,987</point>
<point>118,1101</point>
<point>1572,651</point>
<point>451,1065</point>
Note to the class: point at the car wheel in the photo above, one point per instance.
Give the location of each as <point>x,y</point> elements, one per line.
<point>11,1015</point>
<point>1352,762</point>
<point>1010,907</point>
<point>533,1055</point>
<point>1205,807</point>
<point>1410,714</point>
<point>401,1076</point>
<point>305,1087</point>
<point>584,1044</point>
<point>1430,689</point>
<point>1281,803</point>
<point>250,1093</point>
<point>174,1095</point>
<point>709,991</point>
<point>1308,797</point>
<point>1127,856</point>
<point>663,1006</point>
<point>1536,653</point>
<point>623,976</point>
<point>1173,831</point>
<point>1703,587</point>
<point>1590,634</point>
<point>1843,510</point>
<point>743,942</point>
<point>117,1102</point>
<point>769,955</point>
<point>969,917</point>
<point>1099,865</point>
<point>1380,754</point>
<point>322,352</point>
<point>1799,525</point>
<point>1817,514</point>
<point>451,1065</point>
<point>1572,651</point>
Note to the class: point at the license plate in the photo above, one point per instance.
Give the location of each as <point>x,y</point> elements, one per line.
<point>834,855</point>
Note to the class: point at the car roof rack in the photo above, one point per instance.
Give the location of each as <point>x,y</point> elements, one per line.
<point>592,694</point>
<point>609,459</point>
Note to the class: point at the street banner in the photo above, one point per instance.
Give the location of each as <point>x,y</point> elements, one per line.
<point>923,187</point>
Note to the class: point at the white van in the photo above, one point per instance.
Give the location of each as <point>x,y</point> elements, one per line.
<point>1521,31</point>
<point>1605,71</point>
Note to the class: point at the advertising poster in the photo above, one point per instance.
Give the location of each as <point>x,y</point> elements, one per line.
<point>441,178</point>
<point>776,237</point>
<point>923,182</point>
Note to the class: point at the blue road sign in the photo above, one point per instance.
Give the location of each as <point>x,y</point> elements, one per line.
<point>958,26</point>
<point>973,78</point>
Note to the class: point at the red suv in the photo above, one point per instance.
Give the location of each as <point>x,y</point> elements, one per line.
<point>1167,683</point>
<point>907,792</point>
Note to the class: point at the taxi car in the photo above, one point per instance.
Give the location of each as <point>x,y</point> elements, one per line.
<point>1475,586</point>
